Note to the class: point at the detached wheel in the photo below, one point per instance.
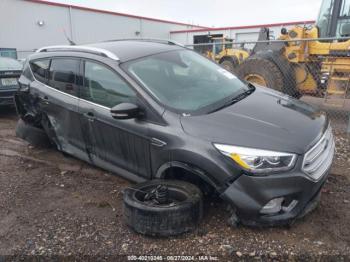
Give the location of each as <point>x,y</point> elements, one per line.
<point>163,207</point>
<point>31,134</point>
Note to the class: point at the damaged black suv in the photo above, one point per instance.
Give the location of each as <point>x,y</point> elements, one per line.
<point>147,109</point>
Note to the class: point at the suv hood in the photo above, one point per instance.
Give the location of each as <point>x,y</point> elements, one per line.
<point>266,119</point>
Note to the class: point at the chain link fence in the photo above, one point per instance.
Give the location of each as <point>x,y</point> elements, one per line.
<point>300,68</point>
<point>303,68</point>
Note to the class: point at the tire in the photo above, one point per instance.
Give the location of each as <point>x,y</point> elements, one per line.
<point>230,64</point>
<point>163,219</point>
<point>33,135</point>
<point>273,69</point>
<point>264,68</point>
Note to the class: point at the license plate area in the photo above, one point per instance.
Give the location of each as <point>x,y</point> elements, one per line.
<point>9,81</point>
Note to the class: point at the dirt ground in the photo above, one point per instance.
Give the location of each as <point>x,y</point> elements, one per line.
<point>53,206</point>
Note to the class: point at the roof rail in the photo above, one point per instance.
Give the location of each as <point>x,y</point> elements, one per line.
<point>167,41</point>
<point>75,48</point>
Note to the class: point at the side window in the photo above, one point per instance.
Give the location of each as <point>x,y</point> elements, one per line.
<point>63,75</point>
<point>343,23</point>
<point>40,69</point>
<point>27,72</point>
<point>345,9</point>
<point>104,87</point>
<point>324,18</point>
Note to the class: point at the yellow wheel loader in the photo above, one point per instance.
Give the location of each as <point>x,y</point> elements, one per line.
<point>311,60</point>
<point>224,54</point>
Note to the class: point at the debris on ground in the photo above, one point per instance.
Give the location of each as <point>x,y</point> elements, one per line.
<point>48,208</point>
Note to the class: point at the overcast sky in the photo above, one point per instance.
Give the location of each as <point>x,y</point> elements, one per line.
<point>211,12</point>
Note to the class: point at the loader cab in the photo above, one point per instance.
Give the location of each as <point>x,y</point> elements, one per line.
<point>217,45</point>
<point>220,44</point>
<point>334,19</point>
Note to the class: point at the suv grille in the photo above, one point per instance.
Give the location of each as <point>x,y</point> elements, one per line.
<point>319,158</point>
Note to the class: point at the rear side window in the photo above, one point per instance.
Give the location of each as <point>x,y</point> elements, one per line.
<point>63,75</point>
<point>27,72</point>
<point>40,69</point>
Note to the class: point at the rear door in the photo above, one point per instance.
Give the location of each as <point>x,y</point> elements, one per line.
<point>59,102</point>
<point>112,143</point>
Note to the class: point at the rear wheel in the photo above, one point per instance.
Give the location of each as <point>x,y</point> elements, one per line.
<point>163,207</point>
<point>34,135</point>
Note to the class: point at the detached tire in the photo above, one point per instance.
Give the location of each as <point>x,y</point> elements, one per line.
<point>31,134</point>
<point>181,212</point>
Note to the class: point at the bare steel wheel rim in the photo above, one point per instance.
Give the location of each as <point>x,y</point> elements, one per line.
<point>161,195</point>
<point>255,78</point>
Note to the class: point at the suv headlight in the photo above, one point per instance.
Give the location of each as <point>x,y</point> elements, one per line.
<point>258,160</point>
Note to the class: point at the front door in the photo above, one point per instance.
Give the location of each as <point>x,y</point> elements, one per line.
<point>112,143</point>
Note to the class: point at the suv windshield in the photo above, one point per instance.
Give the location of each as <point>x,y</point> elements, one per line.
<point>185,81</point>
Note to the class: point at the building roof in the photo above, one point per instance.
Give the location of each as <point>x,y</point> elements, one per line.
<point>242,27</point>
<point>112,13</point>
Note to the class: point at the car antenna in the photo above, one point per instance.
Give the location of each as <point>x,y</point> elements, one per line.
<point>71,42</point>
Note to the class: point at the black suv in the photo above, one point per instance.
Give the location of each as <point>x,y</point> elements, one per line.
<point>147,109</point>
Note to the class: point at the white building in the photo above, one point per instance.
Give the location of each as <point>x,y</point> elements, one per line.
<point>237,33</point>
<point>29,24</point>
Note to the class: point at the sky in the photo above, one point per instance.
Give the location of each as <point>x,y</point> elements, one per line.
<point>211,13</point>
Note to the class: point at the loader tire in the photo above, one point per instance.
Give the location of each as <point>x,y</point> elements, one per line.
<point>230,64</point>
<point>34,135</point>
<point>269,69</point>
<point>180,213</point>
<point>262,72</point>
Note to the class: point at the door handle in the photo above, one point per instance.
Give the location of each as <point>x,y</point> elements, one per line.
<point>90,116</point>
<point>157,142</point>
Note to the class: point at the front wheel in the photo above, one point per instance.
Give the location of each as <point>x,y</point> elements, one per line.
<point>230,64</point>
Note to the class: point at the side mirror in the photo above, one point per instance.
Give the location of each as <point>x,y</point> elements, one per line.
<point>125,111</point>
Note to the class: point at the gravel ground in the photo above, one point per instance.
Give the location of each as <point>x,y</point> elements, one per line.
<point>52,205</point>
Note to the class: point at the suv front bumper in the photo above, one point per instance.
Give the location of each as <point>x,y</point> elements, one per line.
<point>249,194</point>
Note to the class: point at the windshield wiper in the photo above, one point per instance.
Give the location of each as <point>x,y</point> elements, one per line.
<point>237,98</point>
<point>243,94</point>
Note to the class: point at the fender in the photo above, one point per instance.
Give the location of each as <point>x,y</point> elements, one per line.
<point>193,169</point>
<point>233,59</point>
